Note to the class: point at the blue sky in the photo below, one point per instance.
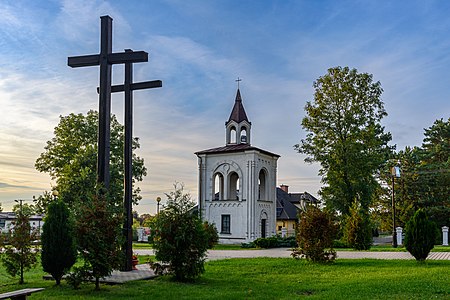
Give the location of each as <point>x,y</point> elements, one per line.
<point>198,49</point>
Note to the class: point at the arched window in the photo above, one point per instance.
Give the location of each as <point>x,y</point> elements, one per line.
<point>262,185</point>
<point>233,189</point>
<point>243,135</point>
<point>232,135</point>
<point>218,187</point>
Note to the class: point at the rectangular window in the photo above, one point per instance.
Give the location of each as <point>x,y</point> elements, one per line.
<point>226,224</point>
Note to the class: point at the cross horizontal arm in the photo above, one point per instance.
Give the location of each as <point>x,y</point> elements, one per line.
<point>83,61</point>
<point>127,57</point>
<point>136,86</point>
<point>113,58</point>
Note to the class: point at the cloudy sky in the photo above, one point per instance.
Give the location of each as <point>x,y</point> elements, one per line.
<point>198,49</point>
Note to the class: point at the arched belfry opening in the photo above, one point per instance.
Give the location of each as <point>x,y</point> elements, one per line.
<point>238,126</point>
<point>262,185</point>
<point>218,188</point>
<point>233,188</point>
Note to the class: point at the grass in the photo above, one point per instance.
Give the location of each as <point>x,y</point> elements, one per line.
<point>389,248</point>
<point>270,278</point>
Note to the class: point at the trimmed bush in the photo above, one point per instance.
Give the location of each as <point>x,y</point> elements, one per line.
<point>315,236</point>
<point>420,235</point>
<point>213,236</point>
<point>275,242</point>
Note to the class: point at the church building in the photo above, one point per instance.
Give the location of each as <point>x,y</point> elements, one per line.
<point>237,183</point>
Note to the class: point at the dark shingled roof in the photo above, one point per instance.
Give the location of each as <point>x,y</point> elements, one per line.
<point>235,148</point>
<point>285,209</point>
<point>238,113</point>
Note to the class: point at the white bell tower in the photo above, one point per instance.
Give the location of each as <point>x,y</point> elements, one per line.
<point>237,183</point>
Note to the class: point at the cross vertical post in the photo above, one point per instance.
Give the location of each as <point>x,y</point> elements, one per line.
<point>128,160</point>
<point>104,114</point>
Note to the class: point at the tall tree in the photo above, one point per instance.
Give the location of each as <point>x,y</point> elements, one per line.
<point>59,251</point>
<point>345,136</point>
<point>70,158</point>
<point>434,172</point>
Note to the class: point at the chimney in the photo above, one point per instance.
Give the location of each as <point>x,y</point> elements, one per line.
<point>284,188</point>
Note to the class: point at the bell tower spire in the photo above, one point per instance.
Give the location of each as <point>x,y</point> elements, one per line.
<point>238,127</point>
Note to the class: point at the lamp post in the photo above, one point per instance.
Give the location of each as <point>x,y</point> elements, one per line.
<point>158,199</point>
<point>55,194</point>
<point>395,172</point>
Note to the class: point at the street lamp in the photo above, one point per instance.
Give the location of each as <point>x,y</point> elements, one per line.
<point>55,194</point>
<point>158,199</point>
<point>395,172</point>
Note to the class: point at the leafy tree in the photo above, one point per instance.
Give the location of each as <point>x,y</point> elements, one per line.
<point>420,234</point>
<point>213,235</point>
<point>98,234</point>
<point>358,230</point>
<point>315,234</point>
<point>70,158</point>
<point>1,208</point>
<point>20,254</point>
<point>59,251</point>
<point>179,237</point>
<point>345,136</point>
<point>41,203</point>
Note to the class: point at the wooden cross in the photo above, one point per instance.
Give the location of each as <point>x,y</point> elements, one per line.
<point>128,88</point>
<point>105,59</point>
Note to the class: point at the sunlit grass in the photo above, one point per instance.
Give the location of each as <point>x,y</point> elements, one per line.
<point>270,278</point>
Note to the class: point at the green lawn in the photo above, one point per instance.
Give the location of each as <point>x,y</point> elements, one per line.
<point>271,278</point>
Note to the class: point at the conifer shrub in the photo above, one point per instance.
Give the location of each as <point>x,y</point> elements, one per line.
<point>315,234</point>
<point>358,230</point>
<point>420,235</point>
<point>59,251</point>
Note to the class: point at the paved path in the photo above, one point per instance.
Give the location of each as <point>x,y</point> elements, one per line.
<point>286,252</point>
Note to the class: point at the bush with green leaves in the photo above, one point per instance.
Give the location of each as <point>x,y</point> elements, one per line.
<point>358,229</point>
<point>213,235</point>
<point>98,231</point>
<point>275,242</point>
<point>315,234</point>
<point>179,238</point>
<point>420,235</point>
<point>59,251</point>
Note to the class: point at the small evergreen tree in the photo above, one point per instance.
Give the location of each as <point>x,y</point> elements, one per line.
<point>358,230</point>
<point>420,235</point>
<point>179,237</point>
<point>315,235</point>
<point>213,235</point>
<point>20,254</point>
<point>59,251</point>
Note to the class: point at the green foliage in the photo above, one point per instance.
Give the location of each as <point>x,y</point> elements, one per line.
<point>213,235</point>
<point>425,173</point>
<point>70,158</point>
<point>20,255</point>
<point>346,137</point>
<point>179,238</point>
<point>99,235</point>
<point>358,230</point>
<point>59,251</point>
<point>420,235</point>
<point>315,236</point>
<point>275,242</point>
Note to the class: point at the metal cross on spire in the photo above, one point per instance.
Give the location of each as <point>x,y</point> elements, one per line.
<point>238,80</point>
